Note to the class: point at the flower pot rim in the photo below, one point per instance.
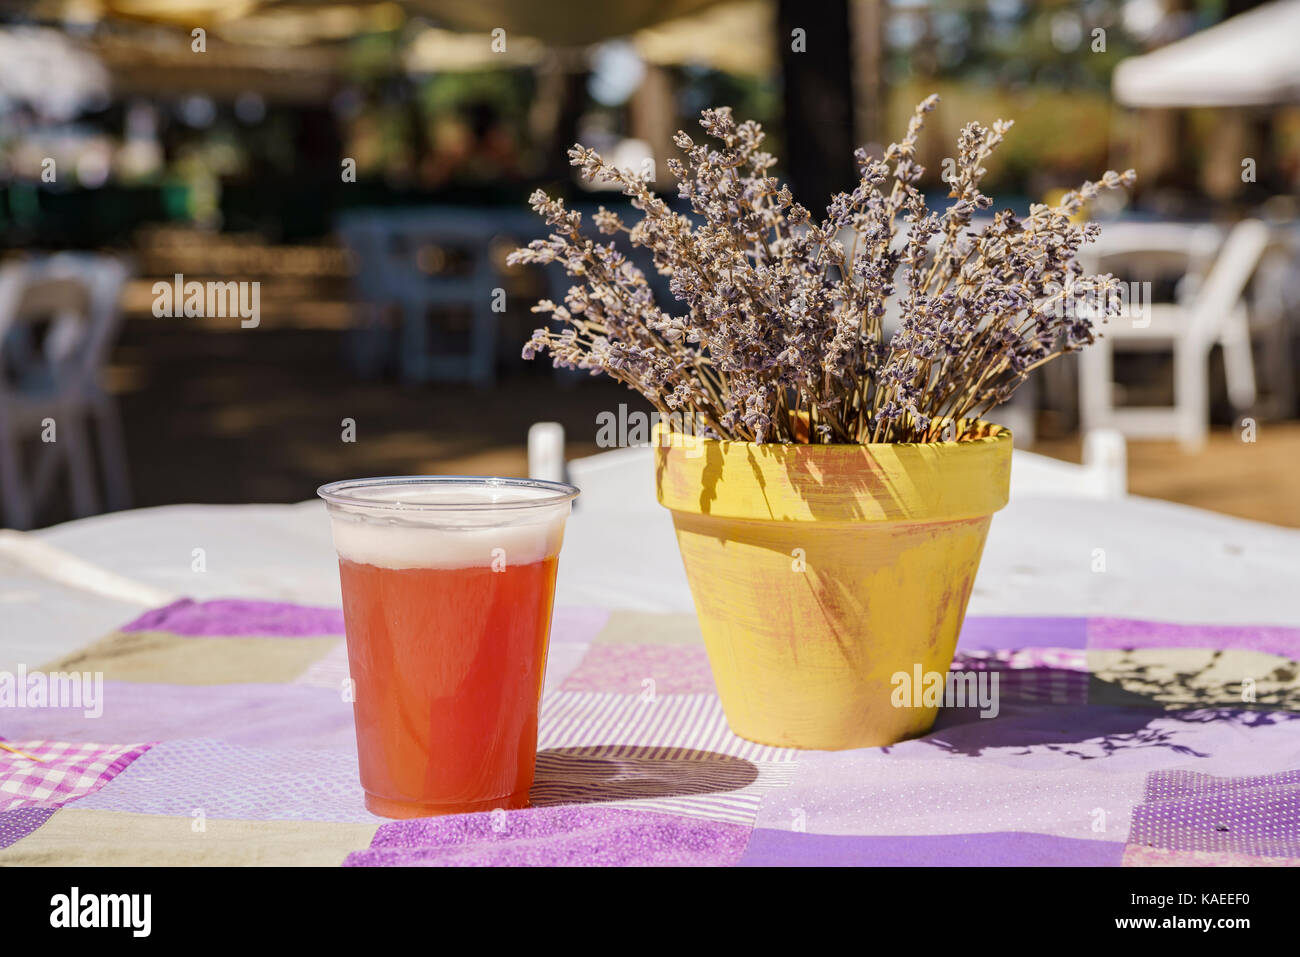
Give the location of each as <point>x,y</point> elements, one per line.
<point>880,483</point>
<point>993,434</point>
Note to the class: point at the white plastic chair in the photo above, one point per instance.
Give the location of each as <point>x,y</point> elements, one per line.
<point>59,381</point>
<point>387,246</point>
<point>1213,312</point>
<point>1276,293</point>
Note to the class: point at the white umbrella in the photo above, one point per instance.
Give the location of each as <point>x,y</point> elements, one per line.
<point>47,71</point>
<point>1248,60</point>
<point>733,37</point>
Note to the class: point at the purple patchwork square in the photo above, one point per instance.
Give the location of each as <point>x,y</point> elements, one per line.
<point>1047,676</point>
<point>1114,633</point>
<point>256,715</point>
<point>555,837</point>
<point>20,822</point>
<point>999,633</point>
<point>577,623</point>
<point>227,781</point>
<point>1188,811</point>
<point>233,617</point>
<point>770,847</point>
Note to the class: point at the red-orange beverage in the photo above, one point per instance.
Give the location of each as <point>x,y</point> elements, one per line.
<point>448,667</point>
<point>447,593</point>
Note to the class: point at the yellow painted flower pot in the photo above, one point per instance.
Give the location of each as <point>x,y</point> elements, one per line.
<point>819,572</point>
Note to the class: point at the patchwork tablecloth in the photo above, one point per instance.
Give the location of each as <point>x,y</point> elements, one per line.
<point>225,738</point>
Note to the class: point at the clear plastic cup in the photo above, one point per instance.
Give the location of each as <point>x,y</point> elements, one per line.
<point>448,584</point>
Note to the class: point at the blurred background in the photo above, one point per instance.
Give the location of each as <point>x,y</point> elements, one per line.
<point>367,166</point>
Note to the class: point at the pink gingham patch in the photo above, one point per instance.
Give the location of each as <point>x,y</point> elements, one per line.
<point>65,772</point>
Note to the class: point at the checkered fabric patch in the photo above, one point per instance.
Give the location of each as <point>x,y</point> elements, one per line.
<point>65,771</point>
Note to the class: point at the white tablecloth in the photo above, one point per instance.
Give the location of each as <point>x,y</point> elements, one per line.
<point>64,586</point>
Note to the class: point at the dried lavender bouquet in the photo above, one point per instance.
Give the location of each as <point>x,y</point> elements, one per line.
<point>781,339</point>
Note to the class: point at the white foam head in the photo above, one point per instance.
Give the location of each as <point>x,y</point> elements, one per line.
<point>449,522</point>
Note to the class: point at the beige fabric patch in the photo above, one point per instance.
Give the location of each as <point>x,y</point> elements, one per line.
<point>95,838</point>
<point>163,658</point>
<point>648,628</point>
<point>1193,678</point>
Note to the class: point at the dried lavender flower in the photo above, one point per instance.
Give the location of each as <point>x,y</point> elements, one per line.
<point>782,338</point>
